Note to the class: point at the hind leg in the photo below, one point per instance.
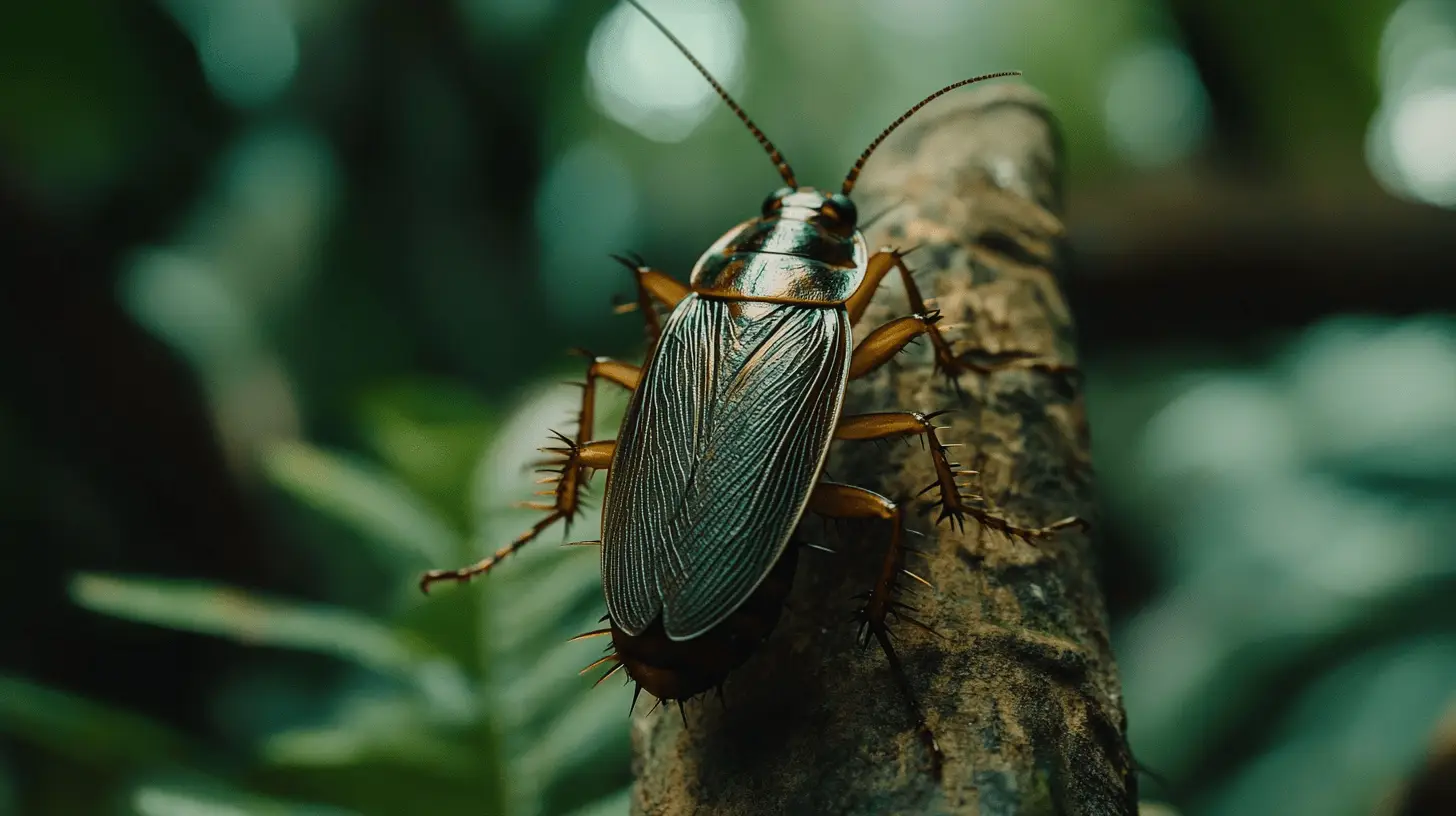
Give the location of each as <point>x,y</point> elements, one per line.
<point>836,500</point>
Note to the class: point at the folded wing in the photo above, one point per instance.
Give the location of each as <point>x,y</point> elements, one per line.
<point>721,446</point>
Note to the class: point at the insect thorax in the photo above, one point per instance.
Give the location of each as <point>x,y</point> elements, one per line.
<point>789,256</point>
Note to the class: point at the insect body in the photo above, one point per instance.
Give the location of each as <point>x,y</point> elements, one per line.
<point>722,446</point>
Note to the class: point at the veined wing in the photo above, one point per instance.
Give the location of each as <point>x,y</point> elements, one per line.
<point>719,451</point>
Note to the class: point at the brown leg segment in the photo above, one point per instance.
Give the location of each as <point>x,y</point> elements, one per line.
<point>953,504</point>
<point>571,463</point>
<point>653,285</point>
<point>946,360</point>
<point>887,341</point>
<point>836,500</point>
<point>591,456</point>
<point>600,368</point>
<point>880,265</point>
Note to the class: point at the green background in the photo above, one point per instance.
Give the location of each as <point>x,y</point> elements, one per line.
<point>287,287</point>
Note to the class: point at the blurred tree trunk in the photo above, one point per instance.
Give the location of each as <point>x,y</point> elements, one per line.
<point>1022,691</point>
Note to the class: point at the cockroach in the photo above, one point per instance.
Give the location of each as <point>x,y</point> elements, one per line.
<point>722,447</point>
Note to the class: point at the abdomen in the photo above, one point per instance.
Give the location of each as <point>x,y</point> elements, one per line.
<point>679,669</point>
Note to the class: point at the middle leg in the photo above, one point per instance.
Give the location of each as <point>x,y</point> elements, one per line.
<point>953,503</point>
<point>591,456</point>
<point>568,469</point>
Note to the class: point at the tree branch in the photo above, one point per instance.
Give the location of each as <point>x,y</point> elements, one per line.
<point>1202,259</point>
<point>1021,690</point>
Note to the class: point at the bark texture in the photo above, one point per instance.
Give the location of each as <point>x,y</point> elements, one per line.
<point>1021,690</point>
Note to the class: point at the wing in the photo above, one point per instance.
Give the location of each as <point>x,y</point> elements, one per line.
<point>717,455</point>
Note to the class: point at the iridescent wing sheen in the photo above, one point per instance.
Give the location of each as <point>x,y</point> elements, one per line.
<point>721,445</point>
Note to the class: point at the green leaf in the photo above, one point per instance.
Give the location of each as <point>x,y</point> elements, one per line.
<point>171,799</point>
<point>395,730</point>
<point>83,729</point>
<point>431,434</point>
<point>590,733</point>
<point>252,619</point>
<point>374,503</point>
<point>616,804</point>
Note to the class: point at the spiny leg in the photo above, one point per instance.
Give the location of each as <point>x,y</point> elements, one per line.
<point>882,344</point>
<point>953,503</point>
<point>652,285</point>
<point>626,375</point>
<point>880,265</point>
<point>836,500</point>
<point>566,470</point>
<point>591,456</point>
<point>574,460</point>
<point>946,360</point>
<point>571,463</point>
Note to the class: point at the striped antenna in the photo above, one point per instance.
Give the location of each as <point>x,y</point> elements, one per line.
<point>854,171</point>
<point>773,152</point>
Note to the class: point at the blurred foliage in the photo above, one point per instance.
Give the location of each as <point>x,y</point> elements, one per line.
<point>1296,511</point>
<point>285,281</point>
<point>463,702</point>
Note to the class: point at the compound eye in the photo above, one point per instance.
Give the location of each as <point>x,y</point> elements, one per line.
<point>774,201</point>
<point>843,209</point>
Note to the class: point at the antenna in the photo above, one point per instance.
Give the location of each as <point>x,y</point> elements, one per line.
<point>773,152</point>
<point>859,164</point>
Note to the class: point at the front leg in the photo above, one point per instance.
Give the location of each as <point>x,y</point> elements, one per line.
<point>653,285</point>
<point>946,360</point>
<point>953,503</point>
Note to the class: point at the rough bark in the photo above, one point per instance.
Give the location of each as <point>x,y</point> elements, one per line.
<point>1021,691</point>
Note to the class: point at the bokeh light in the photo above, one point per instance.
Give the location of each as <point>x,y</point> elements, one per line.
<point>1411,141</point>
<point>638,78</point>
<point>1156,110</point>
<point>586,209</point>
<point>248,48</point>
